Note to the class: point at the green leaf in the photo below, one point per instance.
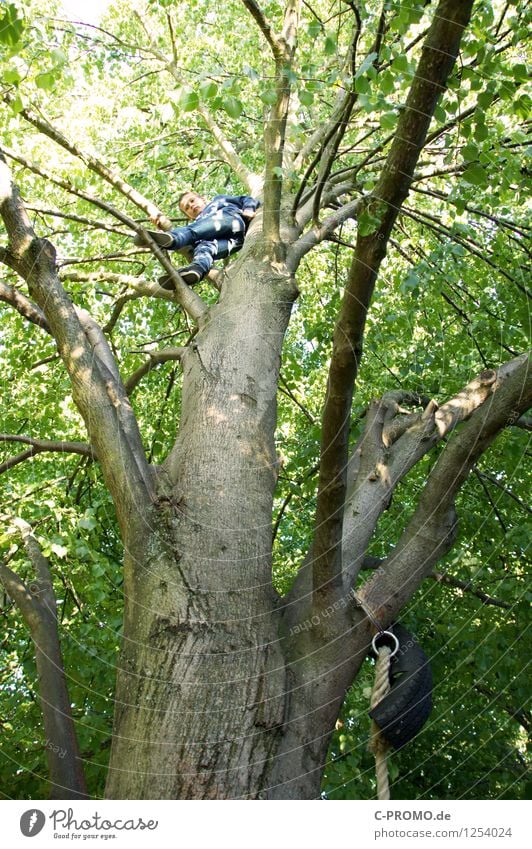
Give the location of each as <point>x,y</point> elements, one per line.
<point>11,26</point>
<point>330,44</point>
<point>386,82</point>
<point>475,174</point>
<point>189,100</point>
<point>45,81</point>
<point>440,114</point>
<point>269,96</point>
<point>233,106</point>
<point>12,76</point>
<point>388,120</point>
<point>362,85</point>
<point>88,523</point>
<point>470,152</point>
<point>208,90</point>
<point>410,283</point>
<point>314,28</point>
<point>367,223</point>
<point>17,104</point>
<point>58,57</point>
<point>481,131</point>
<point>366,64</point>
<point>306,97</point>
<point>520,72</point>
<point>400,63</point>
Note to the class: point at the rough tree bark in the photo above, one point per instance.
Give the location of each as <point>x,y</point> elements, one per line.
<point>37,604</point>
<point>226,690</point>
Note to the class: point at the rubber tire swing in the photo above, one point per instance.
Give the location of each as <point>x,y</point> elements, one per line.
<point>406,708</point>
<point>401,700</point>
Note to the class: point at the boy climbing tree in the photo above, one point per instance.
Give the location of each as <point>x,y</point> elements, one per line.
<point>218,231</point>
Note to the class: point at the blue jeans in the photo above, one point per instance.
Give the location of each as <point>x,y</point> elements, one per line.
<point>215,237</point>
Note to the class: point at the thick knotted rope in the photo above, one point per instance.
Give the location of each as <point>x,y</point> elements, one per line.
<point>378,745</point>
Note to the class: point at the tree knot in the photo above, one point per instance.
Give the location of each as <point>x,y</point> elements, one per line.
<point>488,377</point>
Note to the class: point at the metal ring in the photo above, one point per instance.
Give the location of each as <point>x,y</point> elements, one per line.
<point>388,634</point>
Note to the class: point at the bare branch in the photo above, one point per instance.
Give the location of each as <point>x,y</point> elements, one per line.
<point>467,586</point>
<point>38,446</point>
<point>508,492</point>
<point>316,235</point>
<point>80,219</point>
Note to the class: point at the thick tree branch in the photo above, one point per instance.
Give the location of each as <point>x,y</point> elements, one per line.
<point>378,464</point>
<point>192,303</point>
<point>431,531</point>
<point>324,231</point>
<point>437,59</point>
<point>97,392</point>
<point>37,604</point>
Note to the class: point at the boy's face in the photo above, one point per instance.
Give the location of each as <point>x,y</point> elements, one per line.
<point>192,204</point>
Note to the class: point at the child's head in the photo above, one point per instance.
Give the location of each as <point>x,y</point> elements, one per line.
<point>191,203</point>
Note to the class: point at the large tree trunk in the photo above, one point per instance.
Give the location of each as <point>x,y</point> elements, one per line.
<point>202,683</point>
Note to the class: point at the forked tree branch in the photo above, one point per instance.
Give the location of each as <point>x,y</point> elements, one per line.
<point>431,531</point>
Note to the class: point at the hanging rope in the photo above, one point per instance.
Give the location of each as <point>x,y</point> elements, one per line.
<point>378,745</point>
